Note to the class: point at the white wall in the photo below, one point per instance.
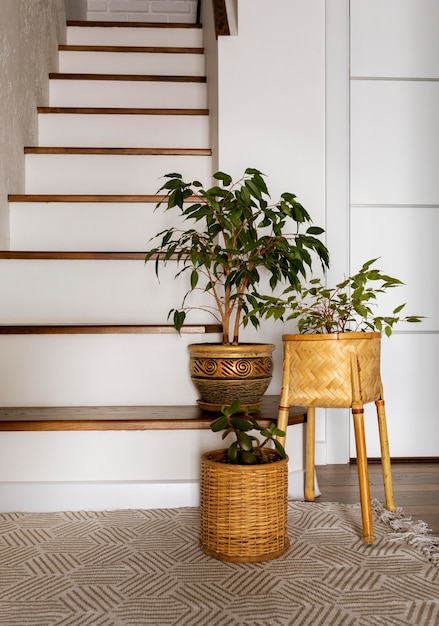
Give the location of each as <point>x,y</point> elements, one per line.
<point>142,10</point>
<point>29,35</point>
<point>394,199</point>
<point>271,112</point>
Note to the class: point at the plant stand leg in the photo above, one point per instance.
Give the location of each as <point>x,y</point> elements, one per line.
<point>360,443</point>
<point>284,403</point>
<point>282,421</point>
<point>385,454</point>
<point>363,474</point>
<point>310,455</point>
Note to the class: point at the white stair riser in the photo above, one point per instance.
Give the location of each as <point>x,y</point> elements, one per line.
<point>93,292</point>
<point>135,94</point>
<point>108,174</point>
<point>93,370</point>
<point>167,64</point>
<point>131,131</point>
<point>135,36</point>
<point>90,456</point>
<point>86,226</point>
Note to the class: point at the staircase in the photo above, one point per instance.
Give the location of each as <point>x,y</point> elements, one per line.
<point>84,321</point>
<point>97,407</point>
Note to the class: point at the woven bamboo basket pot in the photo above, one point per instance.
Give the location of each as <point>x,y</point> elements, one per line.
<point>244,508</point>
<point>321,370</point>
<point>222,373</point>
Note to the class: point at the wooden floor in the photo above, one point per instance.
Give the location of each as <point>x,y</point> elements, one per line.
<point>416,487</point>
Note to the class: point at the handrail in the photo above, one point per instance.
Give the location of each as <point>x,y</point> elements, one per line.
<point>220,16</point>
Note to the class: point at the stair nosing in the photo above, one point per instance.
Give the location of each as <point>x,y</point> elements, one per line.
<point>116,24</point>
<point>70,255</point>
<point>80,255</point>
<point>128,77</point>
<point>121,111</point>
<point>47,198</point>
<point>118,151</point>
<point>105,329</point>
<point>132,49</point>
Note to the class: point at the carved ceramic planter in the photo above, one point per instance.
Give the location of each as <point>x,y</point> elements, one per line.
<point>222,374</point>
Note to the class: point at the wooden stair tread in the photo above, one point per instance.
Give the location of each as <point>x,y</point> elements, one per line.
<point>106,329</point>
<point>46,198</point>
<point>135,49</point>
<point>115,24</point>
<point>129,417</point>
<point>128,77</point>
<point>121,111</point>
<point>71,255</point>
<point>113,151</point>
<point>77,255</point>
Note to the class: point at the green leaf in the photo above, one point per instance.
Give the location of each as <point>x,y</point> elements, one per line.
<point>280,448</point>
<point>235,406</point>
<point>241,424</point>
<point>179,318</point>
<point>232,452</point>
<point>277,432</point>
<point>194,279</point>
<point>248,458</point>
<point>266,433</point>
<point>244,441</point>
<point>398,309</point>
<point>219,424</point>
<point>225,178</point>
<point>263,457</point>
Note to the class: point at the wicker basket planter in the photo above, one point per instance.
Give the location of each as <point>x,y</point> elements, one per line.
<point>244,508</point>
<point>222,373</point>
<point>321,368</point>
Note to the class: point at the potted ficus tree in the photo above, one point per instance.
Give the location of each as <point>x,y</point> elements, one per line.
<point>244,490</point>
<point>236,241</point>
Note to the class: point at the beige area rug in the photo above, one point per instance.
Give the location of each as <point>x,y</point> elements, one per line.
<point>129,568</point>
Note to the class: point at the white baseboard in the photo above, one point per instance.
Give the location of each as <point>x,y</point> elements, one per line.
<point>104,496</point>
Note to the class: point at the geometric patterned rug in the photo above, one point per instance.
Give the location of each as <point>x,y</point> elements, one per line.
<point>136,567</point>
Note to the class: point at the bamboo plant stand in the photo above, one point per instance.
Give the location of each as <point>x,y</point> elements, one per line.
<point>338,371</point>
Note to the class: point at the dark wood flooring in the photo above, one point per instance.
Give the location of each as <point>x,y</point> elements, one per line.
<point>416,487</point>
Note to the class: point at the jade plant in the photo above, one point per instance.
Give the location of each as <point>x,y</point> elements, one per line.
<point>235,239</point>
<point>246,448</point>
<point>349,306</point>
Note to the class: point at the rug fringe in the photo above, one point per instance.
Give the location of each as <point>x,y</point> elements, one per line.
<point>415,533</point>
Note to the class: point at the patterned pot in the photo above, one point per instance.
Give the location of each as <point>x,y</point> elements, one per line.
<point>222,374</point>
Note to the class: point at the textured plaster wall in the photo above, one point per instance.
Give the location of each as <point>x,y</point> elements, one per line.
<point>30,31</point>
<point>76,9</point>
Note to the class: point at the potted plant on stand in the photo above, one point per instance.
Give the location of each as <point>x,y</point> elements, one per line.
<point>336,321</point>
<point>236,241</point>
<point>335,361</point>
<point>244,491</point>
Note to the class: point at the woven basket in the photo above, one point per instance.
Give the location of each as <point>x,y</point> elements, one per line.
<point>244,508</point>
<point>320,368</point>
